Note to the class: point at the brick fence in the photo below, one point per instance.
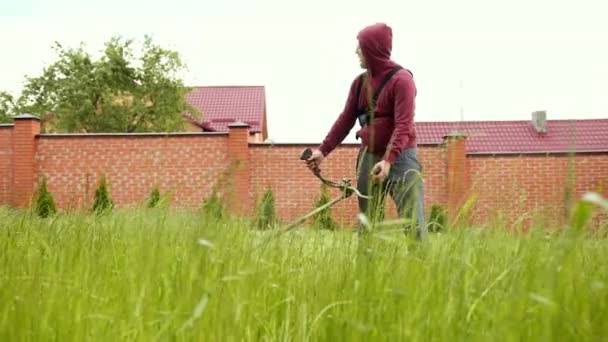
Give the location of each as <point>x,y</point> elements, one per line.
<point>189,164</point>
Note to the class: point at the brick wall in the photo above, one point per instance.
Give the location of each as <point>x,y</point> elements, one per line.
<point>239,196</point>
<point>24,146</point>
<point>6,169</point>
<point>187,165</point>
<point>457,173</point>
<point>434,166</point>
<point>296,189</point>
<point>517,184</point>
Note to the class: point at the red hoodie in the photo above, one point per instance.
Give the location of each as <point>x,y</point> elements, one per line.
<point>392,129</point>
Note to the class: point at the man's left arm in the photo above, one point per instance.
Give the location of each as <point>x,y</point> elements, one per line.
<point>404,108</point>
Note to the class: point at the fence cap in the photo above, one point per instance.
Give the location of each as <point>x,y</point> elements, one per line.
<point>238,124</point>
<point>26,116</point>
<point>455,135</point>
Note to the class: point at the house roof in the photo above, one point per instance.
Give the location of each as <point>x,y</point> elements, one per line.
<point>223,105</point>
<point>520,136</point>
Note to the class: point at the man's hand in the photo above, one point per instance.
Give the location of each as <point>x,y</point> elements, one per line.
<point>380,171</point>
<point>315,160</point>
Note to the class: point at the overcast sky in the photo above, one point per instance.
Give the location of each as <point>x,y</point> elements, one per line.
<point>489,60</point>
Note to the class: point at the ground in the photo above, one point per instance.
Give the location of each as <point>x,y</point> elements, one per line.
<point>160,274</point>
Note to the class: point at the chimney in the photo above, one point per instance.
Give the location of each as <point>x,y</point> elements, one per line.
<point>539,121</point>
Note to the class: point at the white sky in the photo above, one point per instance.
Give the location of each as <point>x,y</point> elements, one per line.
<point>512,57</point>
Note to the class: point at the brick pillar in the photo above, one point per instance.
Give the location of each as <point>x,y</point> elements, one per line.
<point>457,172</point>
<point>6,164</point>
<point>239,193</point>
<point>26,128</point>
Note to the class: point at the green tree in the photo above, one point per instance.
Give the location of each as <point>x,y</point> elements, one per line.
<point>213,207</point>
<point>103,201</point>
<point>438,219</point>
<point>323,219</point>
<point>154,198</point>
<point>118,92</point>
<point>45,204</point>
<point>266,217</point>
<point>7,107</point>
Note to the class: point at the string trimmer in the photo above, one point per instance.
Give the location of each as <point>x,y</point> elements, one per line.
<point>344,186</point>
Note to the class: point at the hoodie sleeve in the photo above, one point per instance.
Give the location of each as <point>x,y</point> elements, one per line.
<point>344,123</point>
<point>405,94</point>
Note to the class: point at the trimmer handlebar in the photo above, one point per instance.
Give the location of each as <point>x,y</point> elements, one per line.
<point>344,185</point>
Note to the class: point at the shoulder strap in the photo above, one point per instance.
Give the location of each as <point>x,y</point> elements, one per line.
<point>361,78</point>
<point>384,81</point>
<point>377,92</point>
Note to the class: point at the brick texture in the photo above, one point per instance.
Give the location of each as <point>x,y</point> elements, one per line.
<point>457,173</point>
<point>239,188</point>
<point>24,150</point>
<point>296,189</point>
<point>6,168</point>
<point>516,185</point>
<point>434,168</point>
<point>187,166</point>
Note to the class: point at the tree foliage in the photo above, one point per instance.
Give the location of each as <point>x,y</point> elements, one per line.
<point>103,200</point>
<point>7,107</point>
<point>118,92</point>
<point>266,216</point>
<point>324,219</point>
<point>45,204</point>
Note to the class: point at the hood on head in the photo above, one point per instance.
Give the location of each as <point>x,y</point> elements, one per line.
<point>376,43</point>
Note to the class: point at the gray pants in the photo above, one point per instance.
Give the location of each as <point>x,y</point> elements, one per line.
<point>404,184</point>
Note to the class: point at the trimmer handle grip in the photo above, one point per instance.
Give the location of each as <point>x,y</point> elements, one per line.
<point>307,153</point>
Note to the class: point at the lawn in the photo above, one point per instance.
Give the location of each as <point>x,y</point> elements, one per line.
<point>158,275</point>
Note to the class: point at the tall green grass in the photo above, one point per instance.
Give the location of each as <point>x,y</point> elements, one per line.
<point>158,275</point>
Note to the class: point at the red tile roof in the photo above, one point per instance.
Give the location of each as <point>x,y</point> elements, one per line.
<point>520,136</point>
<point>223,105</point>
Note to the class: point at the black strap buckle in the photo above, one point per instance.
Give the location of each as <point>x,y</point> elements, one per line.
<point>363,118</point>
<point>363,115</point>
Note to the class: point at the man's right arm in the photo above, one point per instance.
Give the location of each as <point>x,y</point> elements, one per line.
<point>344,123</point>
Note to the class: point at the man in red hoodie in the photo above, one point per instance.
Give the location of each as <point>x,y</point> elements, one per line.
<point>388,159</point>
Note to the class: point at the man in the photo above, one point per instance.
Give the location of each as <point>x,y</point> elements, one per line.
<point>388,159</point>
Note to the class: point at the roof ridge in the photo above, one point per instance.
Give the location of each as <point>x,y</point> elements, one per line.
<point>505,121</point>
<point>228,86</point>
